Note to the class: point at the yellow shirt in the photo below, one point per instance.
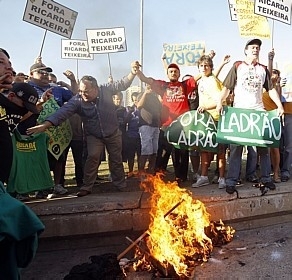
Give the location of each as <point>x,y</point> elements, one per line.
<point>209,90</point>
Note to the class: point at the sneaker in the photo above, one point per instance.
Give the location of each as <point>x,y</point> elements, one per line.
<point>196,176</point>
<point>222,184</point>
<point>270,185</point>
<point>22,197</point>
<point>59,189</point>
<point>202,181</point>
<point>253,179</point>
<point>284,178</point>
<point>41,194</point>
<point>215,180</point>
<point>239,183</point>
<point>230,189</point>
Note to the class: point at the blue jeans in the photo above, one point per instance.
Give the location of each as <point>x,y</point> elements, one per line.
<point>287,149</point>
<point>251,162</point>
<point>235,164</point>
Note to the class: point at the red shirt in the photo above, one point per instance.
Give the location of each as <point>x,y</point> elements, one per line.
<point>174,98</point>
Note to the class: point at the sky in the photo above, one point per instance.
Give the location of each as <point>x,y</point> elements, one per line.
<point>164,21</point>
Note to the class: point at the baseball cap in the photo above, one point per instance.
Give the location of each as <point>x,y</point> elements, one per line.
<point>20,74</point>
<point>40,66</point>
<point>27,94</point>
<point>173,65</point>
<point>253,42</point>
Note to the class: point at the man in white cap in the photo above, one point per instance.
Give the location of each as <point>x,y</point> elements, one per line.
<point>247,79</point>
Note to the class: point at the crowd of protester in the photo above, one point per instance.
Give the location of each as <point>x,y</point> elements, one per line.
<point>102,127</point>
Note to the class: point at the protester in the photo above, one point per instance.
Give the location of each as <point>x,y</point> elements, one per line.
<point>133,145</point>
<point>15,101</point>
<point>39,79</point>
<point>19,232</point>
<point>19,226</point>
<point>121,115</point>
<point>76,144</point>
<point>20,78</point>
<point>247,79</point>
<point>195,157</point>
<point>209,90</point>
<point>270,105</point>
<point>95,106</point>
<point>286,145</point>
<point>174,96</point>
<point>149,106</point>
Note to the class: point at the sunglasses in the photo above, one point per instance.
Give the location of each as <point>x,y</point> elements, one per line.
<point>43,72</point>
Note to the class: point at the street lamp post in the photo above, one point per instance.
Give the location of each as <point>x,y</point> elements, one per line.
<point>141,39</point>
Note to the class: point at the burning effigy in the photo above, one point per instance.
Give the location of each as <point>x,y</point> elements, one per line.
<point>180,235</point>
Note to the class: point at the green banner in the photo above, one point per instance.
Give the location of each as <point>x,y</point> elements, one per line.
<point>193,131</point>
<point>249,127</point>
<point>60,136</point>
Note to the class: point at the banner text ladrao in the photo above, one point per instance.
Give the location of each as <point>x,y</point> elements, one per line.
<point>249,127</point>
<point>51,16</point>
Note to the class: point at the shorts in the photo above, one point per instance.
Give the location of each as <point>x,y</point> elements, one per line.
<point>149,139</point>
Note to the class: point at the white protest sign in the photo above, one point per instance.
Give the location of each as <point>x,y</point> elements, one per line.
<point>51,16</point>
<point>107,40</point>
<point>186,54</point>
<point>275,9</point>
<point>75,49</point>
<point>286,73</point>
<point>232,9</point>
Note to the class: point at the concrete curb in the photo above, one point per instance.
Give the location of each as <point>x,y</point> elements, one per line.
<point>129,211</point>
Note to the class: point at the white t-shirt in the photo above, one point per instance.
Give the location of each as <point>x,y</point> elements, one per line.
<point>247,82</point>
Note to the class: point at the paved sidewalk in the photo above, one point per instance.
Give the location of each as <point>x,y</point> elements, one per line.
<point>261,253</point>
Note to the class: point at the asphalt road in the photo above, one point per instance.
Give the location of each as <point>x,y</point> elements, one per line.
<point>262,253</point>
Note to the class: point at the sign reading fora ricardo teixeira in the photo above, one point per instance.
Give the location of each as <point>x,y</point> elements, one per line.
<point>51,16</point>
<point>275,9</point>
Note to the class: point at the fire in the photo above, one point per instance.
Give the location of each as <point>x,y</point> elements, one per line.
<point>180,233</point>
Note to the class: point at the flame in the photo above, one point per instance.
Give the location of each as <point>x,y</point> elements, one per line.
<point>177,230</point>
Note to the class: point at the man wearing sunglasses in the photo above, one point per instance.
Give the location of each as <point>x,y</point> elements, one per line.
<point>39,79</point>
<point>95,106</point>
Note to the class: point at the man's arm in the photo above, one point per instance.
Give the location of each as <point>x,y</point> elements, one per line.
<point>276,83</point>
<point>164,63</point>
<point>225,60</point>
<point>74,84</point>
<point>39,128</point>
<point>134,69</point>
<point>271,56</point>
<point>141,101</point>
<point>275,97</point>
<point>224,93</point>
<point>125,82</point>
<point>144,79</point>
